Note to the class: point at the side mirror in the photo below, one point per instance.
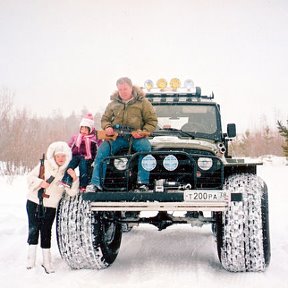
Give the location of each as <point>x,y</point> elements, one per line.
<point>231,130</point>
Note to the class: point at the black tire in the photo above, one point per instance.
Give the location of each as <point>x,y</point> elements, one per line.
<point>86,239</point>
<point>243,240</point>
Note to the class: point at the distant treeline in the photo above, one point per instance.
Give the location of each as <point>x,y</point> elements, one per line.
<point>266,141</point>
<point>24,137</point>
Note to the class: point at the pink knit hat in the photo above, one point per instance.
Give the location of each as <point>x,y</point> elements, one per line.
<point>87,121</point>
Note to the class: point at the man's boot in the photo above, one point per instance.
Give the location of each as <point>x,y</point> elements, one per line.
<point>31,258</point>
<point>47,262</point>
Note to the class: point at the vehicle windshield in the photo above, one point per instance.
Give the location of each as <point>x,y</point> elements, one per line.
<point>198,119</point>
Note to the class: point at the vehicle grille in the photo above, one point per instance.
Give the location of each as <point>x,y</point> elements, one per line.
<point>187,171</point>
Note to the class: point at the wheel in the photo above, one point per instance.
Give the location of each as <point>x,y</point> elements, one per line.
<point>242,232</point>
<point>86,239</point>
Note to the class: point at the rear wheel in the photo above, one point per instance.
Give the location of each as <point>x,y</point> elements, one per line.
<point>86,239</point>
<point>242,232</point>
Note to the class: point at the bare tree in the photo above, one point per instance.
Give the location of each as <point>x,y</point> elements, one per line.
<point>6,114</point>
<point>257,143</point>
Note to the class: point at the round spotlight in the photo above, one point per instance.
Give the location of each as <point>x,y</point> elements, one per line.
<point>161,83</point>
<point>149,162</point>
<point>120,163</point>
<point>170,163</point>
<point>189,84</point>
<point>175,83</point>
<point>205,163</point>
<point>148,84</point>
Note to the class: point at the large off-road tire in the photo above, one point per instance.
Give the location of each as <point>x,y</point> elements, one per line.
<point>86,239</point>
<point>243,240</point>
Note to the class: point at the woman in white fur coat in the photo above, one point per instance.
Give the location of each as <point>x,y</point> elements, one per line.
<point>58,157</point>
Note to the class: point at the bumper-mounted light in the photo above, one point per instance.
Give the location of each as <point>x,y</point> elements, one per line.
<point>205,163</point>
<point>149,162</point>
<point>120,163</point>
<point>170,163</point>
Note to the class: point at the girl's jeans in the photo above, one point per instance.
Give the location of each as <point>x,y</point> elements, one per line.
<point>84,170</point>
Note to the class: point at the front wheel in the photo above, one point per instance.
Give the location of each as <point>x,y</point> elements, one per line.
<point>86,239</point>
<point>242,232</point>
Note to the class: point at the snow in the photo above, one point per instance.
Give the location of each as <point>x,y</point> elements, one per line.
<point>181,255</point>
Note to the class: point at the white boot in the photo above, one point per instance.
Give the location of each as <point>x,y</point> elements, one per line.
<point>47,262</point>
<point>31,258</point>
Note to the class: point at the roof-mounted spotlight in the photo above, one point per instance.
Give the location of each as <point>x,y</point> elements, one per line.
<point>161,83</point>
<point>189,84</point>
<point>175,83</point>
<point>148,84</point>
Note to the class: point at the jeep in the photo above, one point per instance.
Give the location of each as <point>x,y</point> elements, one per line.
<point>193,180</point>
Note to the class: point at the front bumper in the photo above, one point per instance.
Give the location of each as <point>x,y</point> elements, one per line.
<point>155,201</point>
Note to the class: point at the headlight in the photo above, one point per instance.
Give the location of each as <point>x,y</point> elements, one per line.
<point>120,163</point>
<point>205,163</point>
<point>170,162</point>
<point>149,162</point>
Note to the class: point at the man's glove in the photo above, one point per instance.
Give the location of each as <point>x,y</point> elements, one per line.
<point>140,134</point>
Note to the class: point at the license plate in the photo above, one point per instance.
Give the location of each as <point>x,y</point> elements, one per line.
<point>206,195</point>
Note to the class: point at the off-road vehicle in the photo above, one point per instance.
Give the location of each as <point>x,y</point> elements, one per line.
<point>193,180</point>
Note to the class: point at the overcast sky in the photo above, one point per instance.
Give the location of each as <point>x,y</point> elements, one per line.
<point>61,55</point>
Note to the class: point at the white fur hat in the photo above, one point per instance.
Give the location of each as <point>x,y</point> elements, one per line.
<point>87,121</point>
<point>59,147</point>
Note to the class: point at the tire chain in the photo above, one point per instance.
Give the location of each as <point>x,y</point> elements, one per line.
<point>243,238</point>
<point>75,234</point>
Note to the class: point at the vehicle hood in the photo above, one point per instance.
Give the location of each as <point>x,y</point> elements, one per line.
<point>163,142</point>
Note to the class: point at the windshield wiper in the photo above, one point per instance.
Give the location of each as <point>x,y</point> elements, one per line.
<point>183,133</point>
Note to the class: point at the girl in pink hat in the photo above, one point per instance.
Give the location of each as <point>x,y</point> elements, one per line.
<point>84,148</point>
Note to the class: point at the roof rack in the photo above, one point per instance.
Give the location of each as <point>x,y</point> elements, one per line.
<point>173,96</point>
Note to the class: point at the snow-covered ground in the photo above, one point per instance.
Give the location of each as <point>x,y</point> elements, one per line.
<point>180,256</point>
